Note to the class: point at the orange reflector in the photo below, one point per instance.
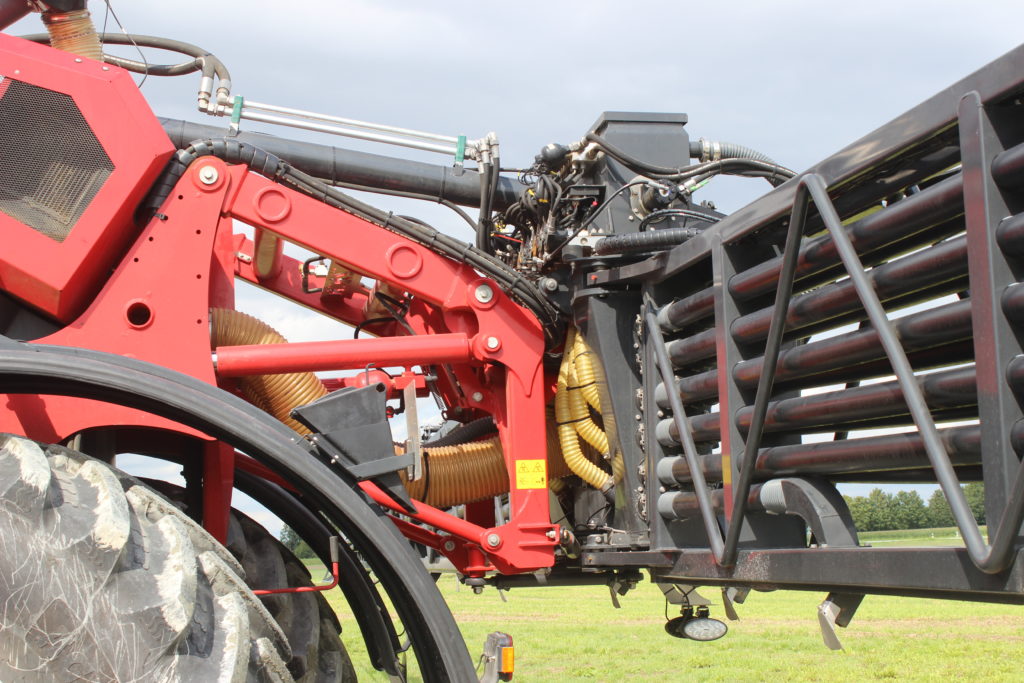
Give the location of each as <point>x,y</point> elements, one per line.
<point>508,660</point>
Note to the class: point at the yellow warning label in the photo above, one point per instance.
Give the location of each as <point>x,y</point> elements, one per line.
<point>531,474</point>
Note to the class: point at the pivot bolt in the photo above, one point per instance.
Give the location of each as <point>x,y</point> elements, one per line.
<point>449,546</point>
<point>208,175</point>
<point>493,343</point>
<point>549,283</point>
<point>493,540</point>
<point>484,294</point>
<point>477,397</point>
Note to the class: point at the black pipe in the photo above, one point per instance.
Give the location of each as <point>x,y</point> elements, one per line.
<point>924,273</point>
<point>873,454</point>
<point>641,241</point>
<point>11,11</point>
<point>876,404</point>
<point>927,329</point>
<point>1008,167</point>
<point>338,166</point>
<point>916,213</point>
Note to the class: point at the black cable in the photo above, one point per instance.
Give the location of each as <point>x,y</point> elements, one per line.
<point>202,59</point>
<point>366,323</point>
<point>233,150</point>
<point>411,195</point>
<point>590,219</point>
<point>666,213</point>
<point>727,166</point>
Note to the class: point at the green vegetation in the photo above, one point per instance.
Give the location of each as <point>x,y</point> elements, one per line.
<point>573,633</point>
<point>906,510</point>
<point>291,540</point>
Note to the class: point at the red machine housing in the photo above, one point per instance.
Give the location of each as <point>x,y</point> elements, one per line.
<point>79,148</point>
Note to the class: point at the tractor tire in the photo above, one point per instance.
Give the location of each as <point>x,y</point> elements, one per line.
<point>307,620</point>
<point>102,579</point>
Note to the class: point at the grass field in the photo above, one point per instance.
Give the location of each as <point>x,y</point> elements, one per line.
<point>567,634</point>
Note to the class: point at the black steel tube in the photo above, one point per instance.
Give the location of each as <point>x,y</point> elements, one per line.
<point>884,453</point>
<point>335,165</point>
<point>990,559</point>
<point>934,327</point>
<point>11,11</point>
<point>943,391</point>
<point>1010,234</point>
<point>1008,167</point>
<point>680,505</point>
<point>924,272</point>
<point>913,214</point>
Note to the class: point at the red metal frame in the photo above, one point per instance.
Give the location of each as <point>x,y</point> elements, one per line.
<point>185,260</point>
<point>60,277</point>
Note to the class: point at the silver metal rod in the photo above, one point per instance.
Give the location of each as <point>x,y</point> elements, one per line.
<point>352,123</point>
<point>357,134</point>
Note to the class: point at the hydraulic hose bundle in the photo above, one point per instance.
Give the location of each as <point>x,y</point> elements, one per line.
<point>235,152</point>
<point>576,394</point>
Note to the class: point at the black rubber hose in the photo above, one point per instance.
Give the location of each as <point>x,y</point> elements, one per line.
<point>233,151</point>
<point>704,150</point>
<point>359,170</point>
<point>645,241</point>
<point>774,173</point>
<point>202,59</point>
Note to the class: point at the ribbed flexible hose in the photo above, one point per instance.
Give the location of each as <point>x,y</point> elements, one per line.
<point>586,379</point>
<point>276,394</point>
<point>460,474</point>
<point>565,419</point>
<point>581,420</point>
<point>73,32</point>
<point>456,474</point>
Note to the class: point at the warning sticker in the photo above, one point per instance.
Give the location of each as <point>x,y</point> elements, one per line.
<point>531,474</point>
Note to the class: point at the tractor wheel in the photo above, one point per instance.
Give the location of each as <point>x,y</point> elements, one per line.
<point>101,579</point>
<point>307,620</point>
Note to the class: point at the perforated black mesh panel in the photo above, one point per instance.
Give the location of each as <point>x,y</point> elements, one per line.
<point>51,164</point>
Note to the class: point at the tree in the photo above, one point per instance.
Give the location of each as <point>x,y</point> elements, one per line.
<point>909,511</point>
<point>291,540</point>
<point>975,494</point>
<point>939,514</point>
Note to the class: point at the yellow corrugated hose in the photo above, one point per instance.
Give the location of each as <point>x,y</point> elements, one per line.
<point>566,419</point>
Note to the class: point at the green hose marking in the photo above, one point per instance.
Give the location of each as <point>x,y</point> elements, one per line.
<point>236,110</point>
<point>460,150</point>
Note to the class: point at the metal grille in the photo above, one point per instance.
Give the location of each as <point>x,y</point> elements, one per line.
<point>51,164</point>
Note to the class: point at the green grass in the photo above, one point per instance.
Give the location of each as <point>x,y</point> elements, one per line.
<point>574,633</point>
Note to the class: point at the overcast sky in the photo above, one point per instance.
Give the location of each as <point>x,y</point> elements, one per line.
<point>796,80</point>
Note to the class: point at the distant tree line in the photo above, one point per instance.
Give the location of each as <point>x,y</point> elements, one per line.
<point>881,511</point>
<point>291,540</point>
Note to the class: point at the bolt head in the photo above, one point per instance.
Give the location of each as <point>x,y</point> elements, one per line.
<point>78,60</point>
<point>477,397</point>
<point>493,343</point>
<point>208,175</point>
<point>449,546</point>
<point>551,534</point>
<point>484,293</point>
<point>550,284</point>
<point>493,540</point>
